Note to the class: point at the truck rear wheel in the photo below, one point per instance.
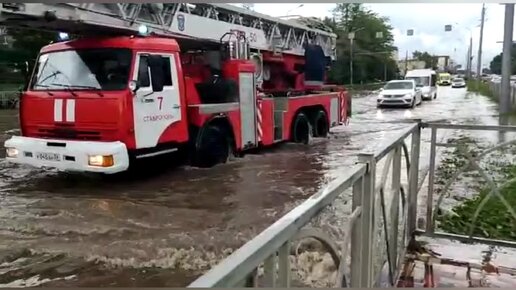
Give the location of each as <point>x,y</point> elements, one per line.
<point>301,129</point>
<point>321,126</point>
<point>213,147</point>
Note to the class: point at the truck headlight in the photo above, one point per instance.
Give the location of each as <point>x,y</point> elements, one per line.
<point>11,152</point>
<point>101,160</point>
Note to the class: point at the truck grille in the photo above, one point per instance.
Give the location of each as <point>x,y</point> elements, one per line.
<point>393,96</point>
<point>69,133</point>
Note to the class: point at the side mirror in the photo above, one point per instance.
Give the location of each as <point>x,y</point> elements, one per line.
<point>134,86</point>
<point>156,68</point>
<point>381,89</point>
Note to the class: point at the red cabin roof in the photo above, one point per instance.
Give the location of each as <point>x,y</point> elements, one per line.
<point>134,42</point>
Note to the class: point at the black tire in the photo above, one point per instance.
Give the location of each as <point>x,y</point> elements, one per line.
<point>301,129</point>
<point>435,96</point>
<point>213,146</point>
<point>413,104</point>
<point>321,125</point>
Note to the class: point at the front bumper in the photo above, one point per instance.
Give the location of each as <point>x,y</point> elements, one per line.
<point>458,85</point>
<point>403,101</point>
<point>67,155</point>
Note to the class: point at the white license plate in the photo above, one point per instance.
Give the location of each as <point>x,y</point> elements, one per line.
<point>48,156</point>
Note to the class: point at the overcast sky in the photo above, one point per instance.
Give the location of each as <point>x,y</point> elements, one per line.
<point>427,20</point>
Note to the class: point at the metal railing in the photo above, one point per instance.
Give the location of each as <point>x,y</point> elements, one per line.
<point>272,247</point>
<point>9,99</point>
<point>382,220</point>
<point>432,207</point>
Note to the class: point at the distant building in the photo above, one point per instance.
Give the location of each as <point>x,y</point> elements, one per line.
<point>410,65</point>
<point>443,62</point>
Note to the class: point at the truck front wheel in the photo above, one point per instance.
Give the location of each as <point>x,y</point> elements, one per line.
<point>213,147</point>
<point>301,129</point>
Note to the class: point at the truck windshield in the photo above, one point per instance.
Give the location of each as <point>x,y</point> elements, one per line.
<point>420,81</point>
<point>399,86</point>
<point>100,69</point>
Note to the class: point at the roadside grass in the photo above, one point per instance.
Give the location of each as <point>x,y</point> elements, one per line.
<point>494,220</point>
<point>483,89</point>
<point>365,87</point>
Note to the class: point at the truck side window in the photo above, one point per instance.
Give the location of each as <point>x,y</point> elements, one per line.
<point>167,73</point>
<point>143,72</point>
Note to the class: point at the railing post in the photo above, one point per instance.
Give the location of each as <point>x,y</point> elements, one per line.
<point>284,266</point>
<point>431,176</point>
<point>395,206</point>
<point>368,225</point>
<point>413,180</point>
<point>269,271</point>
<point>356,235</point>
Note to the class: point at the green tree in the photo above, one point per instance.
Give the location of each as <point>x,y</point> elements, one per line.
<point>372,56</point>
<point>430,60</point>
<point>25,48</point>
<point>496,64</point>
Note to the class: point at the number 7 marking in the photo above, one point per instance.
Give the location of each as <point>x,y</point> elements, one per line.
<point>160,102</point>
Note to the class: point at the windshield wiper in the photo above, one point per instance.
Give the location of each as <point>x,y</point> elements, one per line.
<point>44,86</point>
<point>98,90</point>
<point>54,74</point>
<point>68,87</point>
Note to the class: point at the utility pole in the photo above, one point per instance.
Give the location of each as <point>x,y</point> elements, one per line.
<point>479,57</point>
<point>385,70</point>
<point>469,64</point>
<point>505,96</point>
<point>351,37</point>
<point>406,63</point>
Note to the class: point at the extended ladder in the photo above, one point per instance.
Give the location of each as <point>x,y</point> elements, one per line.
<point>181,20</point>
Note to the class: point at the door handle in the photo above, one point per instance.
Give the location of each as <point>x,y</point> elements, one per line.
<point>176,106</point>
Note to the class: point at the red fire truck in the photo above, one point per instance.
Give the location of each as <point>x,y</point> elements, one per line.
<point>150,79</point>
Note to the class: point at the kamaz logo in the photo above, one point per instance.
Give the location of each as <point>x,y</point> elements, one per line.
<point>64,108</point>
<point>181,22</point>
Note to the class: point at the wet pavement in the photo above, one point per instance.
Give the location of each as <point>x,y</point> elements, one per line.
<point>164,227</point>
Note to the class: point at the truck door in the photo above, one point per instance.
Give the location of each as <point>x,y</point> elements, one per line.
<point>154,110</point>
<point>248,109</point>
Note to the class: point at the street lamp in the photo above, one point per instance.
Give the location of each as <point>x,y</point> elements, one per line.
<point>469,57</point>
<point>410,32</point>
<point>351,37</point>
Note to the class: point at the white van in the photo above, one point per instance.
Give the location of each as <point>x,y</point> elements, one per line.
<point>426,79</point>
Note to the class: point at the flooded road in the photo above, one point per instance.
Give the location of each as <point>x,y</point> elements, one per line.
<point>164,229</point>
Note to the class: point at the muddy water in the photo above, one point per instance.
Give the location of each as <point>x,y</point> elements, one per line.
<point>165,227</point>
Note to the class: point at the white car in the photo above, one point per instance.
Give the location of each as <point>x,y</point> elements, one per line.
<point>400,93</point>
<point>458,83</point>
